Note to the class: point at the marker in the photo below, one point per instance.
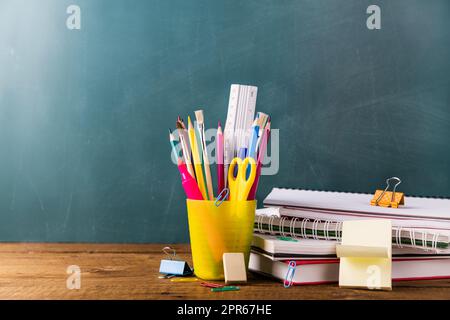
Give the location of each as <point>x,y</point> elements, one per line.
<point>190,186</point>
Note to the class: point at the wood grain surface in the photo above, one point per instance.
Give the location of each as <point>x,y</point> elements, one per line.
<point>128,271</point>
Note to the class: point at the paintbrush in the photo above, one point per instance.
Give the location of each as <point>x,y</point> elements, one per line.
<point>201,129</point>
<point>196,156</point>
<point>184,138</point>
<point>172,143</point>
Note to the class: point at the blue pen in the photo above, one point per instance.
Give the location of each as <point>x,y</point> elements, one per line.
<point>253,142</point>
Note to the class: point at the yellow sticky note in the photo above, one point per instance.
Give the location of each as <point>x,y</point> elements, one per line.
<point>366,254</point>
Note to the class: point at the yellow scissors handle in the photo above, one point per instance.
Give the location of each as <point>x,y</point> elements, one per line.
<point>240,186</point>
<point>232,180</point>
<point>245,184</point>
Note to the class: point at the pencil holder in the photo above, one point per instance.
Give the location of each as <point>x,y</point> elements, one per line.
<point>216,230</point>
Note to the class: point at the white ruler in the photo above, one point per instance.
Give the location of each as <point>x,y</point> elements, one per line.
<point>241,113</point>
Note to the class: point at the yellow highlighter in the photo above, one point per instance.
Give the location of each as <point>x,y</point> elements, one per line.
<point>197,161</point>
<point>240,186</point>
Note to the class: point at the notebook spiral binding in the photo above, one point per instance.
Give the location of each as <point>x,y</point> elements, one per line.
<point>332,230</point>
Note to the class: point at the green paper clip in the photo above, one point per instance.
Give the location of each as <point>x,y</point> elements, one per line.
<point>226,288</point>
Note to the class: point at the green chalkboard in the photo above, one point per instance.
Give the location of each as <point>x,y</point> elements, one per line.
<point>84,152</point>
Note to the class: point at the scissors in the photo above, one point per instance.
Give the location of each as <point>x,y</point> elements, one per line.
<point>240,186</point>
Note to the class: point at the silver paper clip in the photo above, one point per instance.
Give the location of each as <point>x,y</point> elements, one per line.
<point>221,197</point>
<point>288,279</point>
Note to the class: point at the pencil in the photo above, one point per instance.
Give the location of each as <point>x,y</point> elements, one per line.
<point>189,279</point>
<point>219,155</point>
<point>201,131</point>
<point>196,157</point>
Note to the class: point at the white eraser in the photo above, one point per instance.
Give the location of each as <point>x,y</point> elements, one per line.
<point>234,267</point>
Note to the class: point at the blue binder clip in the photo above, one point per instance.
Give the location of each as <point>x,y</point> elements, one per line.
<point>174,267</point>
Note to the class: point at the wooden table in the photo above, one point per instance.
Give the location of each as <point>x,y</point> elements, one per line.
<point>128,271</point>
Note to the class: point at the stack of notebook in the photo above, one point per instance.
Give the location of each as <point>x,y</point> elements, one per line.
<point>304,226</point>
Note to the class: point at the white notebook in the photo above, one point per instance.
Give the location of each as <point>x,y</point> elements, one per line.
<point>415,207</point>
<point>323,271</point>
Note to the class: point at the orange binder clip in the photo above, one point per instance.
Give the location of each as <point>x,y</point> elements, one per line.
<point>384,198</point>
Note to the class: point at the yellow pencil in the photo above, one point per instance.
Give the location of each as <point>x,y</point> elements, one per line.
<point>190,279</point>
<point>196,157</point>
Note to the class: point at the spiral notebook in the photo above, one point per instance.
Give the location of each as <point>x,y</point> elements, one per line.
<point>422,223</point>
<point>327,271</point>
<point>283,248</point>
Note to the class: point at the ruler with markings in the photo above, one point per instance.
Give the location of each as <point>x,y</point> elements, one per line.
<point>240,116</point>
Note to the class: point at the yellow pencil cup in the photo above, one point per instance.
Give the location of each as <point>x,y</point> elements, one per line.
<point>216,230</point>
